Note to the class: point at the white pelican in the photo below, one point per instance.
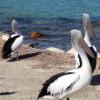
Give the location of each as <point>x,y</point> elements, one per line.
<point>14,42</point>
<point>89,32</point>
<point>62,85</point>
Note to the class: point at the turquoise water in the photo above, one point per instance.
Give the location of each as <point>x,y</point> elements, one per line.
<point>49,8</point>
<point>55,18</point>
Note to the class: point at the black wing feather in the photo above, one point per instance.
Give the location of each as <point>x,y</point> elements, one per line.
<point>49,81</point>
<point>6,51</point>
<point>91,60</point>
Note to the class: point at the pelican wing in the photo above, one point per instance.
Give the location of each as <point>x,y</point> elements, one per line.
<point>63,83</point>
<point>9,46</point>
<point>16,44</point>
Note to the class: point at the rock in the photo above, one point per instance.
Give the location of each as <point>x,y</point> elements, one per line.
<point>37,35</point>
<point>55,50</point>
<point>5,37</point>
<point>71,51</point>
<point>1,32</point>
<point>31,45</point>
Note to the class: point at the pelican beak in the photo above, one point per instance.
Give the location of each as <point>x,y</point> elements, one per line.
<point>90,29</point>
<point>88,25</point>
<point>86,48</point>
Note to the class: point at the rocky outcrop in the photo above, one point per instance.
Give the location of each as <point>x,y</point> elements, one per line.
<point>71,51</point>
<point>37,35</point>
<point>4,36</point>
<point>55,50</point>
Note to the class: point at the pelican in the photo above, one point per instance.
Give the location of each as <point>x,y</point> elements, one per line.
<point>62,85</point>
<point>89,32</point>
<point>14,42</point>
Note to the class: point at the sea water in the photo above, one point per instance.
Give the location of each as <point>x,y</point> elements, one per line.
<point>54,18</point>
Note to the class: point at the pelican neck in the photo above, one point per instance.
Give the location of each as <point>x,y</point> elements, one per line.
<point>87,38</point>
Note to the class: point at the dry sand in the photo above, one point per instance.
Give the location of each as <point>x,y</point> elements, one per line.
<point>23,79</point>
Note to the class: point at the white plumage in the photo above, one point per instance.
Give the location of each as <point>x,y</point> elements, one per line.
<point>61,85</point>
<point>17,43</point>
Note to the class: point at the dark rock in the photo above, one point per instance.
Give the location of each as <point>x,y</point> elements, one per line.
<point>37,35</point>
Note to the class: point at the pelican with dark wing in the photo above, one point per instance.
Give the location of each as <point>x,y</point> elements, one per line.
<point>62,85</point>
<point>89,33</point>
<point>13,44</point>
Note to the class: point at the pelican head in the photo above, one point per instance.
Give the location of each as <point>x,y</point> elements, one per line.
<point>88,25</point>
<point>15,26</point>
<point>77,39</point>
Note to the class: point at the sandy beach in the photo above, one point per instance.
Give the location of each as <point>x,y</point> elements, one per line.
<point>23,79</point>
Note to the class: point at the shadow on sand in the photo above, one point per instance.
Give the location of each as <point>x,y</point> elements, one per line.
<point>7,93</point>
<point>26,56</point>
<point>95,80</point>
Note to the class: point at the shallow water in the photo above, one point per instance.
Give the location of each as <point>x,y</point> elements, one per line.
<point>54,18</point>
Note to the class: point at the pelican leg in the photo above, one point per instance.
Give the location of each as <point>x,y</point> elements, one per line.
<point>17,58</point>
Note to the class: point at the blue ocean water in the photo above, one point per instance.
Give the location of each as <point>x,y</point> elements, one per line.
<point>54,18</point>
